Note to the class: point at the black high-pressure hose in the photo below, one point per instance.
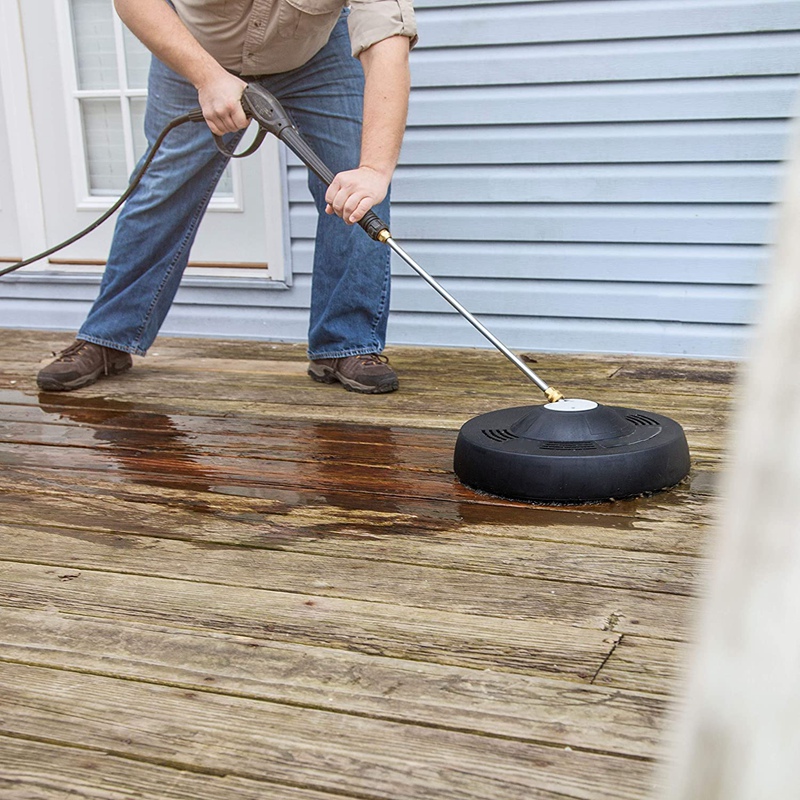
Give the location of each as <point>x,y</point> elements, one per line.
<point>196,115</point>
<point>271,117</point>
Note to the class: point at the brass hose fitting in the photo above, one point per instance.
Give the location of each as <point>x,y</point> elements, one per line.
<point>553,395</point>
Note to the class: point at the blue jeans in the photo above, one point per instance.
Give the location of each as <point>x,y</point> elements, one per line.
<point>158,224</point>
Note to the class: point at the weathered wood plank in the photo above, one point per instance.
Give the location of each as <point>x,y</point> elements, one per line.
<point>484,359</point>
<point>363,512</point>
<point>470,385</point>
<point>197,439</point>
<point>112,430</point>
<point>43,771</point>
<point>466,383</point>
<point>645,665</point>
<point>287,360</point>
<point>525,646</point>
<point>168,395</point>
<point>445,583</point>
<point>672,524</point>
<point>194,579</point>
<point>200,470</point>
<point>430,397</point>
<point>60,422</point>
<point>466,375</point>
<point>554,712</point>
<point>220,734</point>
<point>615,567</point>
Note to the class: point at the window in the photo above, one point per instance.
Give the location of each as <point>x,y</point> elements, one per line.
<point>110,89</point>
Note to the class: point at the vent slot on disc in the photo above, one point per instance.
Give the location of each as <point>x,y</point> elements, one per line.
<point>500,435</point>
<point>571,446</point>
<point>641,419</point>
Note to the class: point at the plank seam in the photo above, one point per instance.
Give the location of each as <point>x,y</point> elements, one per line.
<point>191,767</point>
<point>207,582</point>
<point>202,689</point>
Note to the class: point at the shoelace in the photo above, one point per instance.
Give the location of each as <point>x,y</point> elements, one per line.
<point>73,351</point>
<point>372,358</point>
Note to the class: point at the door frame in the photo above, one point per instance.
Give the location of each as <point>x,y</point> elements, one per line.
<point>28,186</point>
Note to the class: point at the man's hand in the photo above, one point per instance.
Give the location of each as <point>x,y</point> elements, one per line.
<point>355,192</point>
<point>221,101</point>
<point>157,25</point>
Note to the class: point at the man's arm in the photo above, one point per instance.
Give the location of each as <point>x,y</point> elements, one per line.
<point>386,89</point>
<point>155,24</point>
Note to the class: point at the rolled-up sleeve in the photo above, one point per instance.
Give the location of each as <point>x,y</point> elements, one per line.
<point>372,21</point>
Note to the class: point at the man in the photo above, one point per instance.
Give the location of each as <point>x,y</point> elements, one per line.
<point>206,51</point>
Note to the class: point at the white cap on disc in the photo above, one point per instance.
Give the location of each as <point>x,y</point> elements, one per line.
<point>571,405</point>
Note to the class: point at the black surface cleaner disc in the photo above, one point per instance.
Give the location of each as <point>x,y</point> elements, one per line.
<point>572,451</point>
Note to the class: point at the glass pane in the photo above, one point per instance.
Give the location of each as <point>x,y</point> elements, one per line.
<point>138,104</point>
<point>137,61</point>
<point>95,53</point>
<point>105,146</point>
<point>225,185</point>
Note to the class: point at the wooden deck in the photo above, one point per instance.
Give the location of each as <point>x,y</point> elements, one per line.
<point>221,580</point>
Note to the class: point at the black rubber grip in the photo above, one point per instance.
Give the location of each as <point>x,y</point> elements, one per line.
<point>370,222</point>
<point>300,147</point>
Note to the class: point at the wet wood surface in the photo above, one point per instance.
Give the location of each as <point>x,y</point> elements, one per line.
<point>220,579</point>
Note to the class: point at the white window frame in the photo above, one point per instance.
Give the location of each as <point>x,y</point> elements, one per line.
<point>84,199</point>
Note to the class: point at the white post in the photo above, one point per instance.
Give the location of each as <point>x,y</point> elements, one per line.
<point>740,732</point>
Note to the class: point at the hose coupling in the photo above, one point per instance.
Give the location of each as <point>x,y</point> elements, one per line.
<point>553,395</point>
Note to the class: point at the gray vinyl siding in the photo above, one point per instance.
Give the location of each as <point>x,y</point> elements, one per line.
<point>584,175</point>
<point>589,175</point>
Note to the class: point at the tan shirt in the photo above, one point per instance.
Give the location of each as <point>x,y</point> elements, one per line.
<point>261,37</point>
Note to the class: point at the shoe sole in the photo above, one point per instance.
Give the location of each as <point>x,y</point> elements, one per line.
<point>330,376</point>
<point>54,385</point>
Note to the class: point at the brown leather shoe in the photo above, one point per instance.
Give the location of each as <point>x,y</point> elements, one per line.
<point>81,364</point>
<point>369,374</point>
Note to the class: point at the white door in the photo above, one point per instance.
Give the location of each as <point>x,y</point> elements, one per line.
<point>10,248</point>
<point>87,79</point>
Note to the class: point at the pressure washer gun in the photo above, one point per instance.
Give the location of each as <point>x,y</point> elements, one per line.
<point>271,117</point>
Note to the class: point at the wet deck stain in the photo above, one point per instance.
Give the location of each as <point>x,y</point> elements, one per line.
<point>513,593</point>
<point>365,479</point>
